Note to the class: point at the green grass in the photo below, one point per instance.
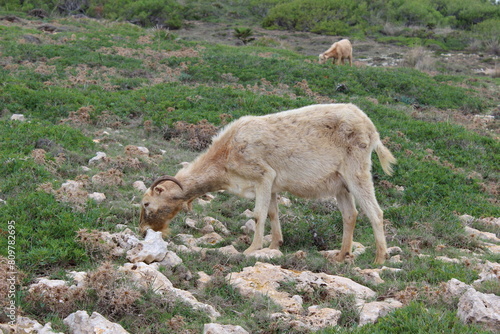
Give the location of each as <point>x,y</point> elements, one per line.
<point>435,162</point>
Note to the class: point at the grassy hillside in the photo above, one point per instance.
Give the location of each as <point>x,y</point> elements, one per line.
<point>88,85</point>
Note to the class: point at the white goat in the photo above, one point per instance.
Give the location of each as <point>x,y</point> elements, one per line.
<point>339,52</point>
<point>312,152</point>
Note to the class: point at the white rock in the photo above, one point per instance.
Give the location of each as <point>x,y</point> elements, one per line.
<point>481,308</point>
<point>315,319</point>
<point>47,283</point>
<point>203,280</point>
<point>152,249</point>
<point>148,277</point>
<point>265,278</point>
<point>370,312</point>
<point>18,117</point>
<point>455,288</point>
<point>85,169</point>
<point>170,260</point>
<point>79,277</point>
<point>228,250</point>
<point>143,150</point>
<point>394,250</point>
<point>217,225</point>
<point>98,157</point>
<point>223,329</point>
<point>80,323</point>
<point>395,259</point>
<point>481,235</point>
<point>490,271</point>
<point>466,219</point>
<point>209,239</point>
<point>447,259</point>
<point>249,227</point>
<point>139,185</point>
<point>98,197</point>
<point>265,254</point>
<point>191,223</point>
<point>318,317</point>
<point>27,325</point>
<point>358,249</point>
<point>248,213</point>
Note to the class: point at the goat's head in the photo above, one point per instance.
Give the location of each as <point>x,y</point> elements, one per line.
<point>160,204</point>
<point>322,58</point>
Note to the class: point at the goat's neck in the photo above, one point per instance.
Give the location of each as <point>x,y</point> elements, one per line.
<point>200,178</point>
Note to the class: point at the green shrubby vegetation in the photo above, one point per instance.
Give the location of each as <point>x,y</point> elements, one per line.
<point>356,19</point>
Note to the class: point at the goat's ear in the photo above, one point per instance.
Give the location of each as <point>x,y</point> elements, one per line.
<point>159,189</point>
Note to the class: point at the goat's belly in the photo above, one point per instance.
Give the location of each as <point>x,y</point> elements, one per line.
<point>245,191</point>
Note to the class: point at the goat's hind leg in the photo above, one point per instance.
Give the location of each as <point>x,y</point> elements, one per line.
<point>277,237</point>
<point>364,192</point>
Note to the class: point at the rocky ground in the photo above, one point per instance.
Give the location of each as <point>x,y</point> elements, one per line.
<point>146,256</point>
<point>366,52</point>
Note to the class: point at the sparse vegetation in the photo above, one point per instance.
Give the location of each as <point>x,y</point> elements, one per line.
<point>100,85</point>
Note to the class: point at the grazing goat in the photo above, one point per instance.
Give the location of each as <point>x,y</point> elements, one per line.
<point>313,152</point>
<point>339,51</point>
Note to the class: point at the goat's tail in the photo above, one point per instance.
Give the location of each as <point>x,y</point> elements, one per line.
<point>386,158</point>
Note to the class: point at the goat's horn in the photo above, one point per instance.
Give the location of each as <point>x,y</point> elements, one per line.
<point>166,178</point>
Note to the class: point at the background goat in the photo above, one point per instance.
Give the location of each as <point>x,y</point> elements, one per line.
<point>312,152</point>
<point>339,51</point>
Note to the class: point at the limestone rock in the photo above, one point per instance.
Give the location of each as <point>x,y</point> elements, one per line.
<point>191,223</point>
<point>217,225</point>
<point>80,323</point>
<point>490,271</point>
<point>153,248</point>
<point>139,185</point>
<point>79,277</point>
<point>26,325</point>
<point>98,197</point>
<point>266,253</point>
<point>18,117</point>
<point>203,280</point>
<point>170,260</point>
<point>370,312</point>
<point>455,288</point>
<point>265,279</point>
<point>223,329</point>
<point>98,157</point>
<point>249,227</point>
<point>148,277</point>
<point>209,239</point>
<point>228,250</point>
<point>248,213</point>
<point>481,308</point>
<point>481,235</point>
<point>313,320</point>
<point>136,151</point>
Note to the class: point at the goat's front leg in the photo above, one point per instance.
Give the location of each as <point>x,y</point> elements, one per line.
<point>262,202</point>
<point>277,237</point>
<point>347,207</point>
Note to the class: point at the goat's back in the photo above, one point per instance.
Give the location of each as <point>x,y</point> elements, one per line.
<point>306,147</point>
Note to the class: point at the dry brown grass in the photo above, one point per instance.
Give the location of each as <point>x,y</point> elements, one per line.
<point>419,59</point>
<point>196,137</point>
<point>104,287</point>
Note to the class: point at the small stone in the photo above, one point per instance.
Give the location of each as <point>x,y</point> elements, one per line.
<point>18,117</point>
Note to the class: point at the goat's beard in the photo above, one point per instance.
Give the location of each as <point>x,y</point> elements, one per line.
<point>156,221</point>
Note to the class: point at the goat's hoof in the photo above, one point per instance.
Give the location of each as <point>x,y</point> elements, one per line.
<point>345,258</point>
